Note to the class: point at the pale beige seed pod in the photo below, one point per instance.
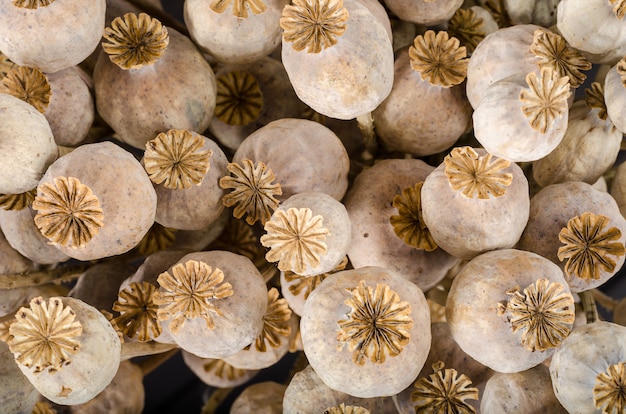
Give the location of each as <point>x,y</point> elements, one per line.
<point>580,229</point>
<point>262,398</point>
<point>50,34</point>
<point>217,372</point>
<point>85,212</point>
<point>184,98</point>
<point>66,348</point>
<point>588,370</point>
<point>615,94</point>
<point>618,188</point>
<point>27,143</point>
<point>424,12</point>
<point>539,12</point>
<point>212,303</point>
<point>474,202</point>
<point>345,337</point>
<point>426,111</point>
<point>234,31</point>
<point>316,56</point>
<point>185,168</point>
<point>375,241</point>
<point>511,302</point>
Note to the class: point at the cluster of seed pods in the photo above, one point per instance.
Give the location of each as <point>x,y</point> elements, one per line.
<point>418,198</point>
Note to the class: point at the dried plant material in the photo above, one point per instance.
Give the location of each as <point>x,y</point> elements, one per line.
<point>240,7</point>
<point>409,224</point>
<point>239,98</point>
<point>4,329</point>
<point>109,317</point>
<point>296,239</point>
<point>304,285</point>
<point>134,41</point>
<point>594,98</point>
<point>497,9</point>
<point>378,324</point>
<point>138,312</point>
<point>6,65</point>
<point>545,99</point>
<point>588,246</point>
<point>156,239</point>
<point>620,67</point>
<point>253,191</point>
<point>43,407</point>
<point>28,84</point>
<point>45,335</point>
<point>176,159</point>
<point>276,325</point>
<point>16,202</point>
<point>466,26</point>
<point>313,24</point>
<point>346,409</point>
<point>477,175</point>
<point>191,292</point>
<point>68,213</point>
<point>553,52</point>
<point>543,311</point>
<point>32,4</point>
<point>444,392</point>
<point>223,369</point>
<point>439,59</point>
<point>619,8</point>
<point>608,392</point>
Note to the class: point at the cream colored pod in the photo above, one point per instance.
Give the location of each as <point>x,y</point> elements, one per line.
<point>95,202</point>
<point>338,55</point>
<point>149,79</point>
<point>426,111</point>
<point>50,34</point>
<point>66,348</point>
<point>366,332</point>
<point>541,12</point>
<point>216,372</point>
<point>474,202</point>
<point>212,303</point>
<point>589,367</point>
<point>595,27</point>
<point>185,168</point>
<point>580,229</point>
<point>523,117</point>
<point>308,234</point>
<point>27,142</point>
<point>508,309</point>
<point>17,394</point>
<point>424,12</point>
<point>589,147</point>
<point>615,94</point>
<point>234,32</point>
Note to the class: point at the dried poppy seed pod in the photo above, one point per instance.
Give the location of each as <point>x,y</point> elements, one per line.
<point>523,117</point>
<point>28,144</point>
<point>474,193</point>
<point>234,31</point>
<point>306,393</point>
<point>303,156</point>
<point>85,212</point>
<point>509,393</point>
<point>316,56</point>
<point>580,229</point>
<point>260,398</point>
<point>17,394</point>
<point>346,337</point>
<point>424,12</point>
<point>615,94</point>
<point>375,239</point>
<point>434,121</point>
<point>309,234</point>
<point>185,168</point>
<point>595,138</point>
<point>588,370</point>
<point>63,97</point>
<point>217,372</point>
<point>139,51</point>
<point>540,12</point>
<point>66,348</point>
<point>212,303</point>
<point>513,302</point>
<point>50,34</point>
